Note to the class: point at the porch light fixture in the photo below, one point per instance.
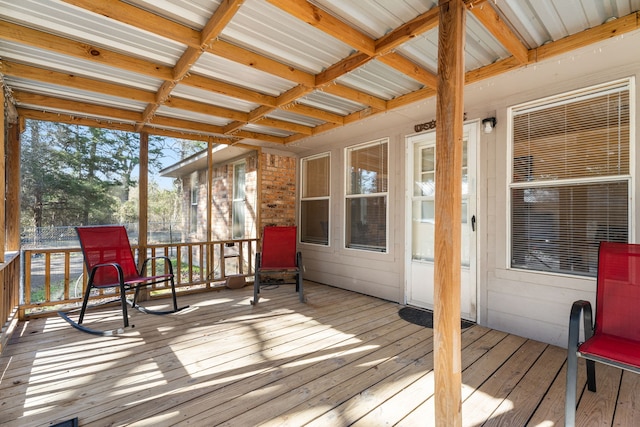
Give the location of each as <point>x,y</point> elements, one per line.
<point>488,124</point>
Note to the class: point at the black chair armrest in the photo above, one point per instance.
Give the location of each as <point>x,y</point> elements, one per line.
<point>115,265</point>
<point>578,308</point>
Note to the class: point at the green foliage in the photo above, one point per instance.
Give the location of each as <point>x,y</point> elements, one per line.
<point>76,175</point>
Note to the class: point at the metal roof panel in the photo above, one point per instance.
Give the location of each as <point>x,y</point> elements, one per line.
<point>263,28</point>
<point>208,97</point>
<point>79,24</point>
<point>380,80</point>
<point>241,75</point>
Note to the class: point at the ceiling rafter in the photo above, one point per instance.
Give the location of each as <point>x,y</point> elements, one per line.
<point>367,49</point>
<point>211,30</point>
<point>74,106</point>
<point>36,38</point>
<point>209,42</point>
<point>25,71</point>
<point>17,33</point>
<point>488,17</point>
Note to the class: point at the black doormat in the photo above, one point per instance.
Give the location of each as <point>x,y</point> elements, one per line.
<point>69,423</point>
<point>424,317</point>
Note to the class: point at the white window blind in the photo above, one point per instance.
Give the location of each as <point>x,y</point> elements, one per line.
<point>570,181</point>
<point>314,204</point>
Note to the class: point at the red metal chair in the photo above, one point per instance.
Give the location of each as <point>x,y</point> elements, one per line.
<point>110,264</point>
<point>614,339</point>
<point>278,257</point>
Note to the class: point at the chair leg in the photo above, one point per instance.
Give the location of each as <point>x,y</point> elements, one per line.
<point>123,301</point>
<point>299,280</point>
<point>256,288</point>
<point>173,294</point>
<point>591,375</point>
<point>572,359</point>
<point>572,384</point>
<point>256,280</point>
<point>84,304</point>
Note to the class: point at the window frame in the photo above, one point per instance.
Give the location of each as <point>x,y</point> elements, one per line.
<point>194,198</point>
<point>348,196</point>
<point>627,85</point>
<point>303,199</point>
<point>238,201</point>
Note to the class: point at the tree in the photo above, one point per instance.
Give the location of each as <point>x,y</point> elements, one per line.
<point>75,175</point>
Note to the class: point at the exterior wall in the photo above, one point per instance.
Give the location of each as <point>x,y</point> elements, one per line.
<point>367,272</point>
<point>200,233</point>
<point>221,203</point>
<point>537,305</point>
<point>278,189</point>
<point>222,199</point>
<point>530,304</point>
<point>222,181</point>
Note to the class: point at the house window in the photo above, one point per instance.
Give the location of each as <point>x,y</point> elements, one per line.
<point>570,178</point>
<point>193,207</point>
<point>366,196</point>
<point>239,200</point>
<point>314,203</point>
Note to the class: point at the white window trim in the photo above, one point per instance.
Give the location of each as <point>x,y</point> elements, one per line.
<point>304,199</point>
<point>347,196</point>
<point>567,97</point>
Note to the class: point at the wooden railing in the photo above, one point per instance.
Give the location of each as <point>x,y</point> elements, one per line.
<point>9,297</point>
<point>54,278</point>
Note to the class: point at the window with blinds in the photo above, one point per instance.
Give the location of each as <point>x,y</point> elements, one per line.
<point>367,177</point>
<point>570,179</point>
<point>314,203</point>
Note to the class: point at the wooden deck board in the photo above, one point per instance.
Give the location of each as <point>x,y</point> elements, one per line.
<point>341,359</point>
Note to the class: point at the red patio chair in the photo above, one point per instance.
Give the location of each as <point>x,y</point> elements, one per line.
<point>110,264</point>
<point>278,257</point>
<point>614,339</point>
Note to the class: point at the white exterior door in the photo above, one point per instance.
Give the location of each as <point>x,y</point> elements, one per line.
<point>420,190</point>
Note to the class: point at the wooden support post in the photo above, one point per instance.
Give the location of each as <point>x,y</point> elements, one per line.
<point>143,208</point>
<point>210,271</point>
<point>449,119</point>
<point>2,178</point>
<point>13,188</point>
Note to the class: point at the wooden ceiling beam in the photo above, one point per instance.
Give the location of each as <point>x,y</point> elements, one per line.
<point>229,90</point>
<point>488,17</point>
<point>33,73</point>
<point>305,110</point>
<point>70,119</point>
<point>39,39</point>
<point>341,68</point>
<point>81,109</point>
<point>177,124</point>
<point>346,92</point>
<point>327,23</point>
<point>211,110</point>
<point>604,31</point>
<point>29,72</point>
<point>409,68</point>
<point>140,18</point>
<point>222,15</point>
<point>259,136</point>
<point>220,18</point>
<point>260,62</point>
<point>419,25</point>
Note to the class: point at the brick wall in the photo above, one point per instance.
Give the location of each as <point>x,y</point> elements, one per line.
<point>278,190</point>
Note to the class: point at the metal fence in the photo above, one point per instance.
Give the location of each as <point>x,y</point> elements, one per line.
<point>65,237</point>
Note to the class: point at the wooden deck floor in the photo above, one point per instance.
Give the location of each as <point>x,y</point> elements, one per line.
<point>341,359</point>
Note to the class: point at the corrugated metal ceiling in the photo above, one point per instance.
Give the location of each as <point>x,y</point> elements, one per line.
<point>265,70</point>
